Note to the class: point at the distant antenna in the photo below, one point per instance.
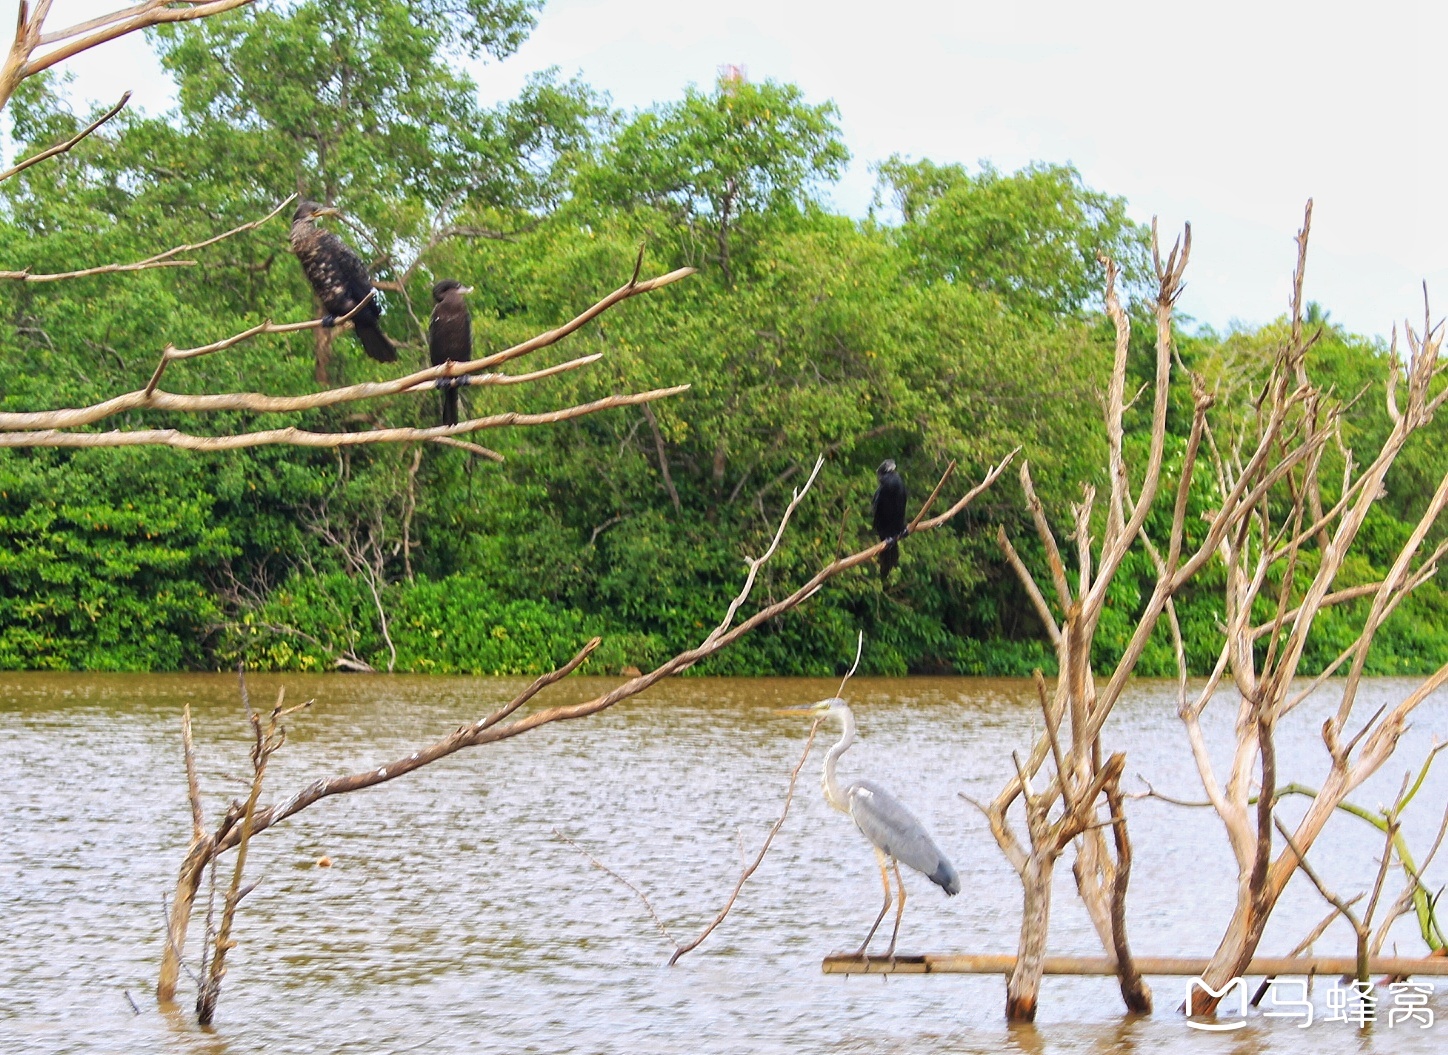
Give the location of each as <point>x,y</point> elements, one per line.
<point>732,75</point>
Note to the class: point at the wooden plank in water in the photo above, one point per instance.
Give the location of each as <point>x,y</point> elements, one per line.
<point>1147,965</point>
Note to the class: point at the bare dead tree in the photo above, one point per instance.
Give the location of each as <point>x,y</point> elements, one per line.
<point>1065,811</point>
<point>503,723</point>
<point>268,739</point>
<point>1285,557</point>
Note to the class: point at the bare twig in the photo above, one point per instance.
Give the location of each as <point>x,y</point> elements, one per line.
<point>664,930</point>
<point>925,506</point>
<point>166,259</point>
<point>859,651</point>
<point>193,787</point>
<point>61,148</point>
<point>759,858</point>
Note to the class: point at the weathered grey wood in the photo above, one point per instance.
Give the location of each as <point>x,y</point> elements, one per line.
<point>1147,965</point>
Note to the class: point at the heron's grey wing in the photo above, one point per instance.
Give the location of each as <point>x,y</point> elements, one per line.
<point>894,829</point>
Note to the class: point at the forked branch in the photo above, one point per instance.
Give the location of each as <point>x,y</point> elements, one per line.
<point>43,428</point>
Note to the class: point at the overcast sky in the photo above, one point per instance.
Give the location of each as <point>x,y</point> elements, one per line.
<point>1228,114</point>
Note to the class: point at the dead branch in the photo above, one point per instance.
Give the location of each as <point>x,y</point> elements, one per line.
<point>166,259</point>
<point>193,786</point>
<point>663,929</point>
<point>471,448</point>
<point>35,50</point>
<point>1361,925</point>
<point>39,426</point>
<point>62,148</point>
<point>267,740</point>
<point>498,726</point>
<point>930,501</point>
<point>302,438</point>
<point>753,866</point>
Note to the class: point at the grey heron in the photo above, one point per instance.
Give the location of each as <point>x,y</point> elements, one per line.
<point>895,833</point>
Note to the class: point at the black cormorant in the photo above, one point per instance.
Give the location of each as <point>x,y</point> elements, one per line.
<point>339,278</point>
<point>450,336</point>
<point>888,512</point>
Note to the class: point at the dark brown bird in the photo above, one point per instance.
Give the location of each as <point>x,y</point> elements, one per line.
<point>888,513</point>
<point>450,337</point>
<point>339,278</point>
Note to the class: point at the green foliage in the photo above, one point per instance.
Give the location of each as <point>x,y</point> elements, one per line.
<point>102,566</point>
<point>1032,238</point>
<point>962,332</point>
<point>711,163</point>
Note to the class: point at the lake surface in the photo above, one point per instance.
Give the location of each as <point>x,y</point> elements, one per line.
<point>454,919</point>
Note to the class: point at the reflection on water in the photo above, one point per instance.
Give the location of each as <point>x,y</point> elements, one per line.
<point>454,919</point>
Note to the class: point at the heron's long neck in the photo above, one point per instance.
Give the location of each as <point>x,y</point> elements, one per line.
<point>831,786</point>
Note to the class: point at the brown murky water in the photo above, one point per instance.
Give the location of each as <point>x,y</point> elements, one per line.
<point>454,919</point>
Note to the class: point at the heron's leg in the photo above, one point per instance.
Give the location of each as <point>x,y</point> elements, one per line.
<point>899,910</point>
<point>885,881</point>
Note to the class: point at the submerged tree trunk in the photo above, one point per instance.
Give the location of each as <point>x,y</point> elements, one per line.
<point>187,883</point>
<point>1023,990</point>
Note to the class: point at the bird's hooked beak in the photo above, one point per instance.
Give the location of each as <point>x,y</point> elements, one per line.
<point>465,290</point>
<point>326,210</point>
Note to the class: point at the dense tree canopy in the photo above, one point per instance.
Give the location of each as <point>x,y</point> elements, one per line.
<point>967,328</point>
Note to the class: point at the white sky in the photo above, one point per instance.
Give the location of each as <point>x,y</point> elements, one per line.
<point>1229,114</point>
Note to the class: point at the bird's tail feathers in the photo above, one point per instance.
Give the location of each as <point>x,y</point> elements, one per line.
<point>449,406</point>
<point>889,558</point>
<point>375,342</point>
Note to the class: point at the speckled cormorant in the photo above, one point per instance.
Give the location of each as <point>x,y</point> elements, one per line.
<point>339,278</point>
<point>450,336</point>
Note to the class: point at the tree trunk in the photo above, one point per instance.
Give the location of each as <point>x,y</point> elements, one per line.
<point>1024,987</point>
<point>1094,877</point>
<point>187,883</point>
<point>322,355</point>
